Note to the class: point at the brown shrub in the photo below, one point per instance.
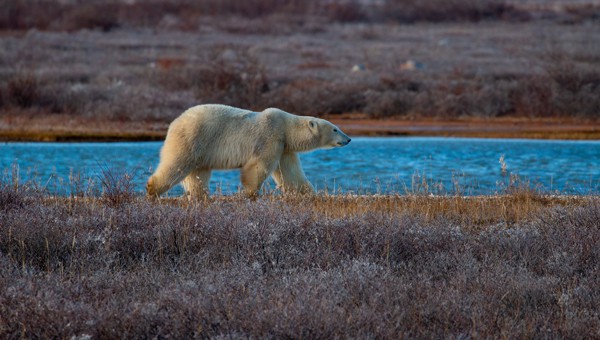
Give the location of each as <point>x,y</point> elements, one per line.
<point>389,103</point>
<point>22,90</point>
<point>317,97</point>
<point>23,14</point>
<point>223,76</point>
<point>395,95</point>
<point>117,186</point>
<point>495,96</point>
<point>574,89</point>
<point>237,84</point>
<point>27,90</point>
<point>345,11</point>
<point>103,16</point>
<point>408,11</point>
<point>153,13</point>
<point>254,8</point>
<point>532,97</point>
<point>10,196</point>
<point>581,12</point>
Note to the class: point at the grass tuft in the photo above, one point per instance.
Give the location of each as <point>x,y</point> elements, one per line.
<point>117,186</point>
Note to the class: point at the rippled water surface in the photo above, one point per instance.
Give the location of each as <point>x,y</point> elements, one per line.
<point>366,165</point>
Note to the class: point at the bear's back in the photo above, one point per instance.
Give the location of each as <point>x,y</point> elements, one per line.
<point>214,111</point>
<point>223,137</point>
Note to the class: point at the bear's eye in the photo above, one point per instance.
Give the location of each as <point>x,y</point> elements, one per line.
<point>334,130</point>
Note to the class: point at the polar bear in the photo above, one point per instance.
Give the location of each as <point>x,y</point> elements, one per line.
<point>261,144</point>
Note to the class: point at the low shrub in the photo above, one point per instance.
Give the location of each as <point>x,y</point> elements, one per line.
<point>117,186</point>
<point>23,90</point>
<point>389,103</point>
<point>102,16</point>
<point>238,84</point>
<point>10,197</point>
<point>408,11</point>
<point>223,76</point>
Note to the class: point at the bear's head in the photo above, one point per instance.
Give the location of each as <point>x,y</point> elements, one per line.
<point>305,133</point>
<point>328,135</point>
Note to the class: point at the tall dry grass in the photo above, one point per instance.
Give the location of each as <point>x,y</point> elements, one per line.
<point>520,265</point>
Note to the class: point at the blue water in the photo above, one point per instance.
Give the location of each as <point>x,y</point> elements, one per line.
<point>401,165</point>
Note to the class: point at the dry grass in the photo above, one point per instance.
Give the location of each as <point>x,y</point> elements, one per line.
<point>520,265</point>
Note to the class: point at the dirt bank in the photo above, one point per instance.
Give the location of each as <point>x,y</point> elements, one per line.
<point>498,128</point>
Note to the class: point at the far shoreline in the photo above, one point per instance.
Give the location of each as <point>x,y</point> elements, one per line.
<point>510,128</point>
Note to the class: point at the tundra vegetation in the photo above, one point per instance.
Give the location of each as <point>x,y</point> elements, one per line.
<point>127,67</point>
<point>520,264</point>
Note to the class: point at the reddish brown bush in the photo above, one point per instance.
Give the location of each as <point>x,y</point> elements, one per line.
<point>26,90</point>
<point>23,90</point>
<point>237,84</point>
<point>408,11</point>
<point>223,76</point>
<point>24,14</point>
<point>103,16</point>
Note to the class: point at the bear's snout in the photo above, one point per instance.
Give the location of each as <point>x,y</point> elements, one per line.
<point>344,143</point>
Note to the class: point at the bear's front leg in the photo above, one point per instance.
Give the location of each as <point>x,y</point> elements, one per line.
<point>254,174</point>
<point>290,177</point>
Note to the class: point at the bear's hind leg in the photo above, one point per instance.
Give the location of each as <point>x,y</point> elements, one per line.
<point>196,183</point>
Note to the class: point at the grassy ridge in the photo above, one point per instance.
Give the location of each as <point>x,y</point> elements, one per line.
<point>520,265</point>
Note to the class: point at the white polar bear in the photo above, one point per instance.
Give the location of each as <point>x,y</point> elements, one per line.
<point>207,137</point>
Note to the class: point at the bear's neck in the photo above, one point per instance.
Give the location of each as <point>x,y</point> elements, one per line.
<point>298,136</point>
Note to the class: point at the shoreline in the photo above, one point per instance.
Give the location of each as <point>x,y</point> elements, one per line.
<point>354,126</point>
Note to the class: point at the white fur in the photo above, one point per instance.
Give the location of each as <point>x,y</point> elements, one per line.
<point>208,137</point>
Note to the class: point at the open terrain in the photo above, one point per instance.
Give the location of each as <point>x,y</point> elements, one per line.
<point>112,70</point>
<point>517,265</point>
